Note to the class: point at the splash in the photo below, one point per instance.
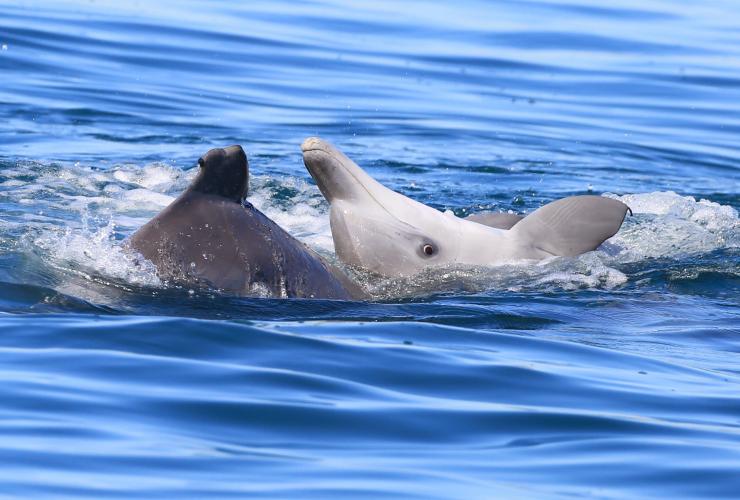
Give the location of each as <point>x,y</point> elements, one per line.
<point>76,218</point>
<point>560,273</point>
<point>303,212</point>
<point>94,252</point>
<point>667,225</point>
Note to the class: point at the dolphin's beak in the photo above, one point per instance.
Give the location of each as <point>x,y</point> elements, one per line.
<point>316,144</point>
<point>338,177</point>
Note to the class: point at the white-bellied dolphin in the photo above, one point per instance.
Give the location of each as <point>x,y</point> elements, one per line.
<point>210,237</point>
<point>378,229</point>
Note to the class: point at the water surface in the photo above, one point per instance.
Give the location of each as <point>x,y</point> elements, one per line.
<point>614,374</point>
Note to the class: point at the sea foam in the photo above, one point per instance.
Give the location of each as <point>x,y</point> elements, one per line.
<point>78,217</point>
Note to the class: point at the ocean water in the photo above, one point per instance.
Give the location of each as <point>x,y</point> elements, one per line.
<point>611,375</point>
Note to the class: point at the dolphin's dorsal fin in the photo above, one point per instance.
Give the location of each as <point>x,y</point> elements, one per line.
<point>499,220</point>
<point>571,226</point>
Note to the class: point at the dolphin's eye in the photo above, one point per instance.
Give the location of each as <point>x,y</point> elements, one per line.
<point>201,162</point>
<point>428,250</point>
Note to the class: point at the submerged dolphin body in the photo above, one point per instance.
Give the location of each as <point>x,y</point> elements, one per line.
<point>380,230</point>
<point>208,237</point>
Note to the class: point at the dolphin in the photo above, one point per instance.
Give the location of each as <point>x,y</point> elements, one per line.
<point>382,231</point>
<point>210,237</point>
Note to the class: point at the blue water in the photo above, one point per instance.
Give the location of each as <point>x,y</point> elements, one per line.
<point>612,375</point>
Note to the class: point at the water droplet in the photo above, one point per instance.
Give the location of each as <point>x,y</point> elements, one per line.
<point>5,46</point>
<point>191,292</point>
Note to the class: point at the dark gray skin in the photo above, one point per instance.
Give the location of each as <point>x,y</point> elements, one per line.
<point>207,237</point>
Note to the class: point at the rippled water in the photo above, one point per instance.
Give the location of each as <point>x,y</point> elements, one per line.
<point>614,374</point>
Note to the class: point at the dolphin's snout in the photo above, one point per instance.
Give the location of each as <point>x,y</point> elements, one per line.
<point>337,176</point>
<point>315,144</point>
<point>326,168</point>
<point>236,149</point>
<point>228,152</point>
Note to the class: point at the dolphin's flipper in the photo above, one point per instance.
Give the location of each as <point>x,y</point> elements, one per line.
<point>571,226</point>
<point>499,220</point>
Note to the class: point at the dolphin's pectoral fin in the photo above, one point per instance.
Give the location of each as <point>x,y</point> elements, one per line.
<point>499,220</point>
<point>571,226</point>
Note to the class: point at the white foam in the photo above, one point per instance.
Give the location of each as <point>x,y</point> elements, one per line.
<point>559,273</point>
<point>11,183</point>
<point>157,177</point>
<point>305,216</point>
<point>88,252</point>
<point>144,198</point>
<point>83,208</point>
<point>75,216</point>
<point>667,225</point>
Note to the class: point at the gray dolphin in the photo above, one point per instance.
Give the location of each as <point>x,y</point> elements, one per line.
<point>385,232</point>
<point>210,237</point>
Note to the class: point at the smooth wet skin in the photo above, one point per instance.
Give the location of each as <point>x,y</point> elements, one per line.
<point>208,238</point>
<point>387,233</point>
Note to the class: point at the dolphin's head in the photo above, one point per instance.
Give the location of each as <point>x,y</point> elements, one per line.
<point>374,227</point>
<point>223,172</point>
